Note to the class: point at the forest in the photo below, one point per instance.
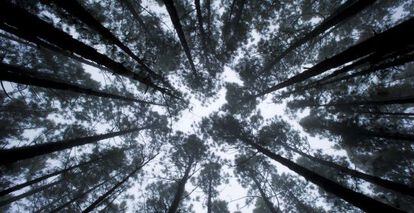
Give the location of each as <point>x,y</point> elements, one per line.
<point>217,106</point>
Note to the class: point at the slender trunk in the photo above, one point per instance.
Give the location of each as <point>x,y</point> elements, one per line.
<point>263,195</point>
<point>36,28</point>
<point>408,115</point>
<point>116,186</point>
<point>389,101</point>
<point>200,24</point>
<point>400,61</point>
<point>340,15</point>
<point>131,8</point>
<point>180,191</point>
<point>239,12</point>
<point>28,193</point>
<point>8,156</point>
<point>83,194</point>
<point>355,198</point>
<point>209,197</point>
<point>36,180</point>
<point>41,45</point>
<point>76,9</point>
<point>208,5</point>
<point>398,187</point>
<point>25,76</point>
<point>169,4</point>
<point>393,39</point>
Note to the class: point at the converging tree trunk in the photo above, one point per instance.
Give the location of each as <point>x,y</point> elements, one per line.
<point>34,27</point>
<point>36,180</point>
<point>93,205</point>
<point>340,15</point>
<point>77,10</point>
<point>263,195</point>
<point>398,187</point>
<point>81,195</point>
<point>180,190</point>
<point>28,193</point>
<point>8,156</point>
<point>169,4</point>
<point>25,76</point>
<point>393,39</point>
<point>355,198</point>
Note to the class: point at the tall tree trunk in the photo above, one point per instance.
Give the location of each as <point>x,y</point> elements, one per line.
<point>328,79</point>
<point>28,193</point>
<point>169,4</point>
<point>36,180</point>
<point>180,191</point>
<point>263,195</point>
<point>25,76</point>
<point>355,198</point>
<point>209,197</point>
<point>93,205</point>
<point>131,8</point>
<point>396,38</point>
<point>383,101</point>
<point>81,195</point>
<point>76,9</point>
<point>8,156</point>
<point>400,61</point>
<point>340,15</point>
<point>41,45</point>
<point>34,27</point>
<point>398,187</point>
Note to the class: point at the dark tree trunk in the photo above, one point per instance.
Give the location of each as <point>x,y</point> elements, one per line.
<point>344,12</point>
<point>131,8</point>
<point>28,77</point>
<point>169,4</point>
<point>36,180</point>
<point>355,198</point>
<point>180,191</point>
<point>116,186</point>
<point>8,156</point>
<point>400,61</point>
<point>398,187</point>
<point>81,195</point>
<point>41,45</point>
<point>75,9</point>
<point>209,197</point>
<point>388,101</point>
<point>263,195</point>
<point>28,193</point>
<point>35,28</point>
<point>396,38</point>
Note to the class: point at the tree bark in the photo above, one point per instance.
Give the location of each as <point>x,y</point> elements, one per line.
<point>34,27</point>
<point>396,38</point>
<point>36,180</point>
<point>340,15</point>
<point>25,76</point>
<point>263,195</point>
<point>169,4</point>
<point>389,101</point>
<point>116,186</point>
<point>8,156</point>
<point>355,198</point>
<point>28,193</point>
<point>209,197</point>
<point>76,9</point>
<point>398,187</point>
<point>180,191</point>
<point>130,6</point>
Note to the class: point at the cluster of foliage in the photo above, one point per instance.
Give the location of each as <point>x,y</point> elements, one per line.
<point>107,143</point>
